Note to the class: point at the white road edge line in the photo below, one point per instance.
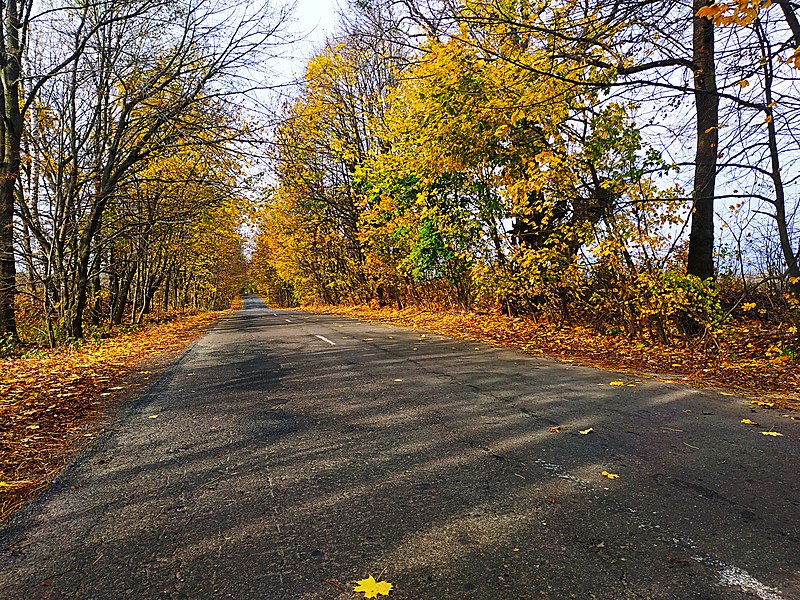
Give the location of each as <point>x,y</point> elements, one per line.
<point>728,574</point>
<point>324,339</point>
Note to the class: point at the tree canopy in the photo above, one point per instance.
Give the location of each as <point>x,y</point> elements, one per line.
<point>544,160</point>
<point>632,166</point>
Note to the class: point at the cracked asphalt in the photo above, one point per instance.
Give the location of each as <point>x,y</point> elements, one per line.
<point>288,454</point>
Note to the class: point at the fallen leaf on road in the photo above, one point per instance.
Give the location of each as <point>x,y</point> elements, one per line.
<point>749,422</point>
<point>616,383</point>
<point>153,417</point>
<point>762,403</point>
<point>610,475</point>
<point>772,433</point>
<point>398,380</point>
<point>372,588</point>
<point>556,429</point>
<point>586,431</point>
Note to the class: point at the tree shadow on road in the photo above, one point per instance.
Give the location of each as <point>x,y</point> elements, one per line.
<point>284,469</point>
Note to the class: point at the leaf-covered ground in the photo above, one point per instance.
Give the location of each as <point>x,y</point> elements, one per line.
<point>53,402</point>
<point>743,361</point>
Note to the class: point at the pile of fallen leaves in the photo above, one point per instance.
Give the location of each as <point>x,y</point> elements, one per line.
<point>51,401</point>
<point>743,362</point>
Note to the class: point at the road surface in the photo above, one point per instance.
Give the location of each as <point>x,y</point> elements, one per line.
<point>287,455</point>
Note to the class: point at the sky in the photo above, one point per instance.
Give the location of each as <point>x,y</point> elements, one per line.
<point>318,17</point>
<point>314,21</point>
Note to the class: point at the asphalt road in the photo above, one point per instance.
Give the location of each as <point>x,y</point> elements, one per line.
<point>288,453</point>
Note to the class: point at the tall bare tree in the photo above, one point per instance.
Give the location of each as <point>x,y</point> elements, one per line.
<point>130,74</point>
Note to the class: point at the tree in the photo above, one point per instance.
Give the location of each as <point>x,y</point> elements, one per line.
<point>766,112</point>
<point>701,239</point>
<point>137,69</point>
<point>19,91</point>
<point>628,40</point>
<point>310,222</point>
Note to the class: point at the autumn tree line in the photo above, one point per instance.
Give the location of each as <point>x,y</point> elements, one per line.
<point>632,165</point>
<point>122,159</point>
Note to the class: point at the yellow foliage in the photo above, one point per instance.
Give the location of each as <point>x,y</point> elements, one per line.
<point>372,588</point>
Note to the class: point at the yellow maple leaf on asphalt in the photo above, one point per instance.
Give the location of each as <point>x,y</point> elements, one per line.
<point>586,431</point>
<point>749,422</point>
<point>372,588</point>
<point>610,475</point>
<point>772,433</point>
<point>616,383</point>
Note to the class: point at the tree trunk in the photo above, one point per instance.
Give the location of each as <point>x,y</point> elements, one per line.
<point>9,168</point>
<point>8,270</point>
<point>122,296</point>
<point>96,289</point>
<point>701,238</point>
<point>789,256</point>
<point>165,292</point>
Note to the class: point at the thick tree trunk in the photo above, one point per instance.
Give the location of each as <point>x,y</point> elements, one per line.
<point>701,238</point>
<point>9,168</point>
<point>8,270</point>
<point>149,294</point>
